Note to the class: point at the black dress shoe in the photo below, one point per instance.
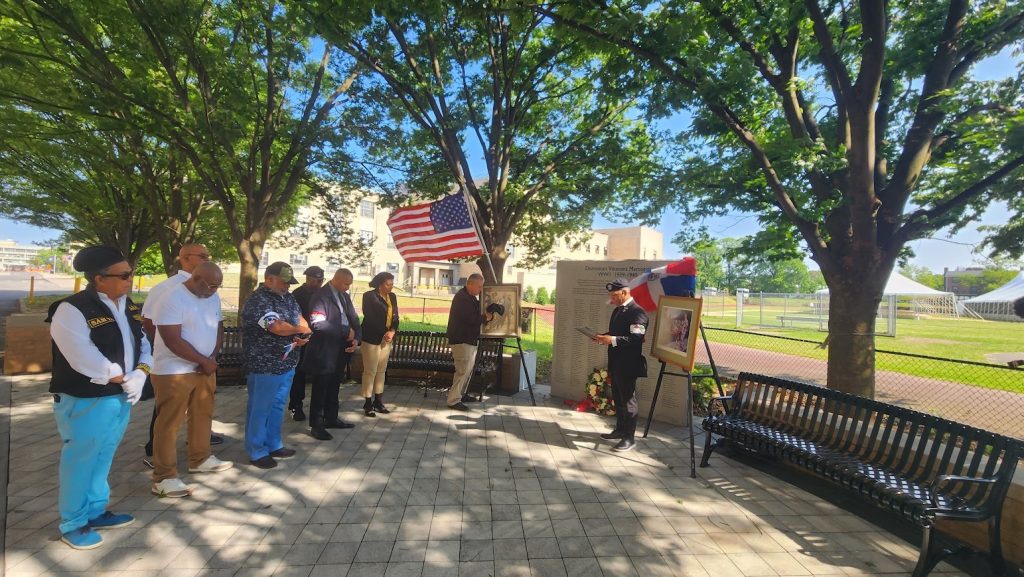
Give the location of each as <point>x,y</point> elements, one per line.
<point>458,407</point>
<point>267,462</point>
<point>337,424</point>
<point>298,414</point>
<point>283,453</point>
<point>624,445</point>
<point>612,435</point>
<point>368,408</point>
<point>320,434</point>
<point>467,398</point>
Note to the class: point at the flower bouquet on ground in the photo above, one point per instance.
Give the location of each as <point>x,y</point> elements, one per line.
<point>599,394</point>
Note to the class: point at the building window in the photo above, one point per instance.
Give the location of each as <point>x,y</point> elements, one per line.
<point>366,270</point>
<point>588,249</point>
<point>366,208</point>
<point>654,255</point>
<point>511,249</point>
<point>300,230</point>
<point>297,259</point>
<point>391,241</point>
<point>265,258</point>
<point>605,251</point>
<point>366,236</point>
<point>393,267</point>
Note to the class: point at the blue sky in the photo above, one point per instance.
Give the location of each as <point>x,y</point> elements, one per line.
<point>942,250</point>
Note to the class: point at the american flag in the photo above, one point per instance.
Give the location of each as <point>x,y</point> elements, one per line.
<point>435,231</point>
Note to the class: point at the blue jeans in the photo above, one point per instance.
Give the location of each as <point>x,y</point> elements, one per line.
<point>91,429</point>
<point>264,413</point>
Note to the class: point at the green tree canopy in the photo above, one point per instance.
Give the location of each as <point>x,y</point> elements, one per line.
<point>461,82</point>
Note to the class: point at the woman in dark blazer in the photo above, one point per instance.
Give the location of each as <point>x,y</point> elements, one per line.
<point>380,322</point>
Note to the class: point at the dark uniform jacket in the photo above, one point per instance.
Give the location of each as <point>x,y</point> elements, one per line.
<point>629,325</point>
<point>375,312</point>
<point>325,353</point>
<point>464,319</point>
<point>303,295</point>
<point>106,335</point>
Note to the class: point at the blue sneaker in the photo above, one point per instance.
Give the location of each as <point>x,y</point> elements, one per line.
<point>110,520</point>
<point>82,538</point>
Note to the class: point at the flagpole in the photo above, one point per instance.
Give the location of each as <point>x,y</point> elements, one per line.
<point>470,203</point>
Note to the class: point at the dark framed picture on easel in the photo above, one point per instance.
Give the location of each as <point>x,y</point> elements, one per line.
<point>503,301</point>
<point>676,328</point>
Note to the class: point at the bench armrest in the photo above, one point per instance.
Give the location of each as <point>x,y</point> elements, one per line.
<point>943,480</point>
<point>711,403</point>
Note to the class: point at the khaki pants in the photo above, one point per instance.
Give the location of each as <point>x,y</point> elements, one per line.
<point>176,396</point>
<point>375,364</point>
<point>464,357</point>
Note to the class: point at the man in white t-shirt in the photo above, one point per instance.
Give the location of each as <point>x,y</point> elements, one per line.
<point>189,334</point>
<point>189,257</point>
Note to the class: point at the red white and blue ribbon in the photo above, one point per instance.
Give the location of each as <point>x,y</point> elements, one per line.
<point>674,279</point>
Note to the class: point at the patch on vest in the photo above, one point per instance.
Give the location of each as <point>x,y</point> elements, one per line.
<point>637,329</point>
<point>100,321</point>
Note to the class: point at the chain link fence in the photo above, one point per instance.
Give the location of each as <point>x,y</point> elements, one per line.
<point>983,395</point>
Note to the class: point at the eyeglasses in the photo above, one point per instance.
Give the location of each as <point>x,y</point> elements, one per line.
<point>210,287</point>
<point>121,275</point>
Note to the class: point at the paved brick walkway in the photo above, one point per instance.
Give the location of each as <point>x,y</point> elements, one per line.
<point>507,490</point>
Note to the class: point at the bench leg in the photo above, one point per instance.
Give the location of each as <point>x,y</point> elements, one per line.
<point>926,561</point>
<point>708,447</point>
<point>995,546</point>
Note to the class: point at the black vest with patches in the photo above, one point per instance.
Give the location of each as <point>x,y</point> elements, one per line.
<point>106,335</point>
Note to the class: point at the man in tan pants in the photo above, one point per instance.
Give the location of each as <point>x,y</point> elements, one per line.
<point>464,322</point>
<point>189,333</point>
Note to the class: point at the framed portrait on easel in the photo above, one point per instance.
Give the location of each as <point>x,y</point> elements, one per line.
<point>506,325</point>
<point>676,328</point>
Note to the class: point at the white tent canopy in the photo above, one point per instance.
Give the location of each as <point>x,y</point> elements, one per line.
<point>922,299</point>
<point>900,285</point>
<point>998,304</point>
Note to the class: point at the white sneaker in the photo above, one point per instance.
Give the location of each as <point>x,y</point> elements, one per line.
<point>171,488</point>
<point>212,465</point>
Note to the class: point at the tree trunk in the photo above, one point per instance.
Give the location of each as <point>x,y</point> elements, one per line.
<point>498,258</point>
<point>249,256</point>
<point>853,306</point>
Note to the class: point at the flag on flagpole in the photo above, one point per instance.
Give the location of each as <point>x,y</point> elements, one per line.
<point>437,230</point>
<point>674,279</point>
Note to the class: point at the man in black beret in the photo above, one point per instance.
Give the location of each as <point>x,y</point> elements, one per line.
<point>101,358</point>
<point>303,295</point>
<point>625,338</point>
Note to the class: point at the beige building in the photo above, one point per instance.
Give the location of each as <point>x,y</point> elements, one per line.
<point>296,246</point>
<point>14,256</point>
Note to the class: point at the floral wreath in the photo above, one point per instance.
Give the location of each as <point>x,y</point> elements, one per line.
<point>599,394</point>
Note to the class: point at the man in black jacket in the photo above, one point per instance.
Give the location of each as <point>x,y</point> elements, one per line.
<point>626,362</point>
<point>464,320</point>
<point>336,334</point>
<point>303,294</point>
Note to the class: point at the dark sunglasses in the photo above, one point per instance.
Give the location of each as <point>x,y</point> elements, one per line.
<point>121,275</point>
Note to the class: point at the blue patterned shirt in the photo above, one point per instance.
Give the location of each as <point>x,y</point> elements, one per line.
<point>265,352</point>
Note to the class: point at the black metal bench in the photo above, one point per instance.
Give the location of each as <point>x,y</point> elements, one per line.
<point>920,466</point>
<point>430,351</point>
<point>229,360</point>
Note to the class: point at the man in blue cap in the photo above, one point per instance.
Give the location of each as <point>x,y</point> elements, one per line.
<point>625,339</point>
<point>101,358</point>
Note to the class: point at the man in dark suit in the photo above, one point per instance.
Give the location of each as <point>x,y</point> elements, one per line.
<point>626,362</point>
<point>336,334</point>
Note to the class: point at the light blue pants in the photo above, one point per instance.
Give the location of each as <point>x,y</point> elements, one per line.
<point>91,429</point>
<point>264,413</point>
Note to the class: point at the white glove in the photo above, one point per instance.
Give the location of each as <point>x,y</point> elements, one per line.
<point>133,384</point>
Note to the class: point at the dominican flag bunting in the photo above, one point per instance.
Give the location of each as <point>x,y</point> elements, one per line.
<point>674,279</point>
<point>437,230</point>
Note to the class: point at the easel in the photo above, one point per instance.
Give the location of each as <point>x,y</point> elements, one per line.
<point>689,396</point>
<point>501,358</point>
